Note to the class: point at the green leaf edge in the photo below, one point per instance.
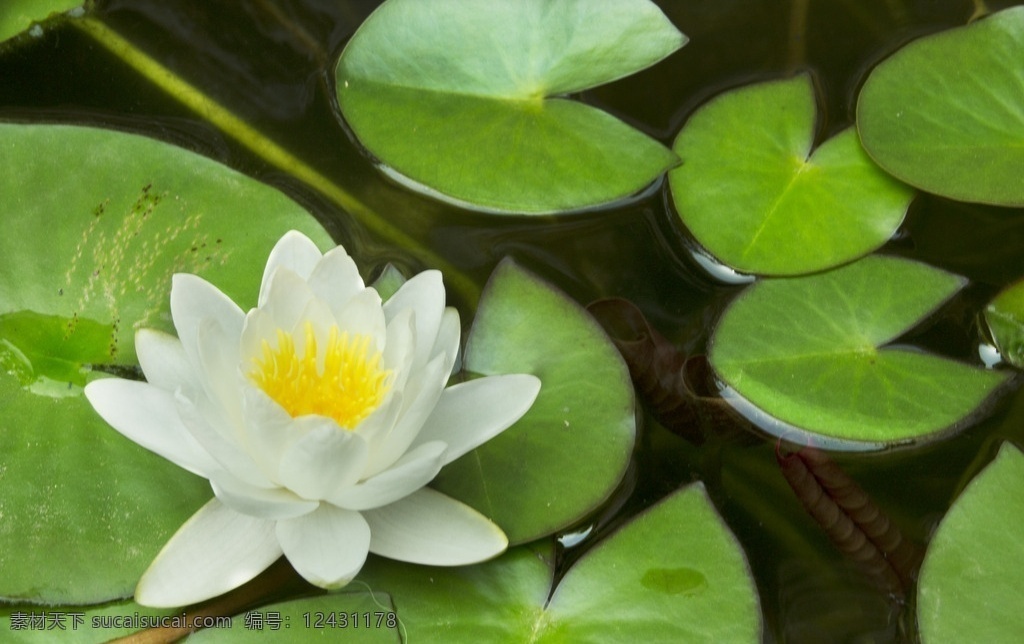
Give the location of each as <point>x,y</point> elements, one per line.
<point>1009,456</point>
<point>404,176</point>
<point>509,267</point>
<point>783,428</point>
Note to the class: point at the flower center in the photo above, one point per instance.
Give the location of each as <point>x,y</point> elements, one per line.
<point>347,384</point>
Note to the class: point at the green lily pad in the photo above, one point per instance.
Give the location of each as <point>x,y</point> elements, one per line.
<point>389,281</point>
<point>463,98</point>
<point>673,574</point>
<point>563,458</point>
<point>974,568</point>
<point>808,351</point>
<point>952,129</point>
<point>1005,319</point>
<point>19,15</point>
<point>96,223</point>
<point>84,510</point>
<point>753,194</point>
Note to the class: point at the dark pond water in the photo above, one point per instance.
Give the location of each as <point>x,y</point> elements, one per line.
<point>269,62</point>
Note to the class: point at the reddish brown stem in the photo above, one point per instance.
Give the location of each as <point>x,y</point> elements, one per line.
<point>675,387</point>
<point>852,521</point>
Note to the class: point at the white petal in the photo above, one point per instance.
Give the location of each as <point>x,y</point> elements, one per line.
<point>194,299</point>
<point>363,315</point>
<point>424,294</point>
<point>411,472</point>
<point>318,315</point>
<point>266,428</point>
<point>430,528</point>
<point>326,459</point>
<point>400,348</point>
<point>287,297</point>
<point>327,547</point>
<point>448,336</point>
<point>336,279</point>
<point>164,362</point>
<point>217,350</point>
<point>259,327</point>
<point>215,551</point>
<point>380,423</point>
<point>294,251</point>
<point>200,418</point>
<point>264,503</point>
<point>149,416</point>
<point>423,389</point>
<point>471,413</point>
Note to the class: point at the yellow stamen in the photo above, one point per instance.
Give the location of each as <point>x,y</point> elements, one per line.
<point>348,386</point>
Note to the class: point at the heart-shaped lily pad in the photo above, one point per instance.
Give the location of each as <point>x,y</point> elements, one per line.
<point>751,191</point>
<point>1005,319</point>
<point>19,15</point>
<point>96,222</point>
<point>465,98</point>
<point>809,352</point>
<point>673,574</point>
<point>953,129</point>
<point>567,454</point>
<point>974,568</point>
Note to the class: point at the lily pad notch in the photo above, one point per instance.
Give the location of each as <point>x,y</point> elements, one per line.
<point>812,352</point>
<point>467,99</point>
<point>753,192</point>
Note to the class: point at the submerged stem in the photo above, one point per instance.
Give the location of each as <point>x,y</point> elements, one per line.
<point>980,11</point>
<point>673,384</point>
<point>798,34</point>
<point>218,115</point>
<point>852,521</point>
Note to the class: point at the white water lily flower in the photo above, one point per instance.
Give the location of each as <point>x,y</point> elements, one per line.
<point>318,418</point>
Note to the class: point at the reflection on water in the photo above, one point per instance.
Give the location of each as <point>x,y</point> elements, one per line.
<point>789,433</point>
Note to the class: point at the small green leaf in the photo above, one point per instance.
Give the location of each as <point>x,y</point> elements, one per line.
<point>1005,319</point>
<point>50,354</point>
<point>95,224</point>
<point>463,97</point>
<point>956,130</point>
<point>974,568</point>
<point>389,281</point>
<point>755,196</point>
<point>807,351</point>
<point>673,574</point>
<point>19,15</point>
<point>567,454</point>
